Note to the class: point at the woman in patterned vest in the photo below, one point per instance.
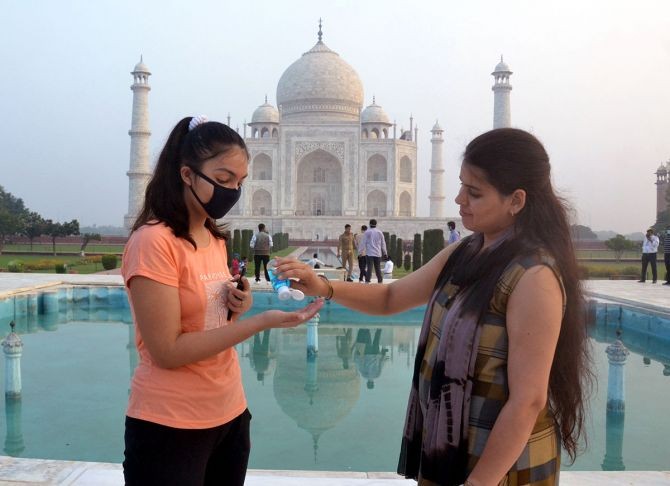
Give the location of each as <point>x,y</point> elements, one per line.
<point>502,363</point>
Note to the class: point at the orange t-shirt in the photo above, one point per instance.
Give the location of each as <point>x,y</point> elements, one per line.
<point>199,395</point>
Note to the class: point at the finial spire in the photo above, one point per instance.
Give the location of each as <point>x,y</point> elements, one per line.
<point>373,99</point>
<point>501,58</point>
<point>320,33</point>
<point>266,99</point>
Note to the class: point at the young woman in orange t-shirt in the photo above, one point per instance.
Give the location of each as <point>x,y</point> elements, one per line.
<point>187,421</point>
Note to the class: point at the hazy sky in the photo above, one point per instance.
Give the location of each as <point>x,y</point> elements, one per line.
<point>591,80</point>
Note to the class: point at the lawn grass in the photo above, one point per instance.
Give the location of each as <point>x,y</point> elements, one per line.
<point>47,264</point>
<point>251,268</point>
<point>62,248</point>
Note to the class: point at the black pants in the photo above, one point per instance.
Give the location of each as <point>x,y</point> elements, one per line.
<point>649,258</point>
<point>166,456</point>
<point>374,262</point>
<point>257,262</point>
<point>362,265</point>
<point>666,258</point>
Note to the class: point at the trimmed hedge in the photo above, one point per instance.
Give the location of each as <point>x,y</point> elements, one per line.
<point>416,252</point>
<point>109,262</point>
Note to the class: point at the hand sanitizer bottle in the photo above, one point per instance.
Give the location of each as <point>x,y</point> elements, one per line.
<point>282,286</point>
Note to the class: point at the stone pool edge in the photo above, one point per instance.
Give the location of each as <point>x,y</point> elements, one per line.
<point>22,471</point>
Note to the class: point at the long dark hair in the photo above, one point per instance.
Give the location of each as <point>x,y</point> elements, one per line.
<point>164,199</point>
<point>512,159</point>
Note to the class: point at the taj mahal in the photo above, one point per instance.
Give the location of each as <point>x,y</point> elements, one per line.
<point>319,159</point>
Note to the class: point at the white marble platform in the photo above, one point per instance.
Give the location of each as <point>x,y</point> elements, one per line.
<point>15,471</point>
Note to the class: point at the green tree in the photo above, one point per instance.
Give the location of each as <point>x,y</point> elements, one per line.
<point>12,216</point>
<point>416,252</point>
<point>397,256</point>
<point>34,226</point>
<point>433,243</point>
<point>237,242</point>
<point>60,230</point>
<point>85,239</point>
<point>580,232</point>
<point>619,244</point>
<point>10,224</point>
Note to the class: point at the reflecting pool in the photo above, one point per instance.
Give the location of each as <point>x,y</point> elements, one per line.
<point>339,406</point>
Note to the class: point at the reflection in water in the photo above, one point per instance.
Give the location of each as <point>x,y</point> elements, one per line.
<point>14,445</point>
<point>321,394</point>
<point>369,356</point>
<point>607,324</point>
<point>261,355</point>
<point>314,390</point>
<point>616,405</point>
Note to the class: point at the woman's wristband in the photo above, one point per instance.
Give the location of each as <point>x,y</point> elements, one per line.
<point>330,286</point>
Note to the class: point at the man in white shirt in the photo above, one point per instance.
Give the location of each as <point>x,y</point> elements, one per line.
<point>388,268</point>
<point>314,262</point>
<point>649,251</point>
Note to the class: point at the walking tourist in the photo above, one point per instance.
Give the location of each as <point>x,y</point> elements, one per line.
<point>649,251</point>
<point>261,243</point>
<point>362,259</point>
<point>501,364</point>
<point>187,421</point>
<point>345,250</point>
<point>375,249</point>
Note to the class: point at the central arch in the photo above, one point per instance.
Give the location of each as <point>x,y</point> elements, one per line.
<point>319,185</point>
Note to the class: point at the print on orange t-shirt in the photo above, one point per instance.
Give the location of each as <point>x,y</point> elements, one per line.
<point>199,395</point>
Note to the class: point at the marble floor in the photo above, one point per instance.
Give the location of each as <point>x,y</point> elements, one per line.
<point>17,472</point>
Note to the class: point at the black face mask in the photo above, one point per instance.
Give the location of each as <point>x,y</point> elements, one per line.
<point>223,199</point>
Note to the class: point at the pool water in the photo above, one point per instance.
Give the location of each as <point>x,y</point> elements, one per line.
<point>342,409</point>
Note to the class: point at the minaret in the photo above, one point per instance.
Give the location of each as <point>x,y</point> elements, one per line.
<point>139,173</point>
<point>437,174</point>
<point>662,184</point>
<point>502,113</point>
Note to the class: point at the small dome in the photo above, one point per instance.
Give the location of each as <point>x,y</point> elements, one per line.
<point>140,67</point>
<point>266,113</point>
<point>436,127</point>
<point>374,114</point>
<point>502,67</point>
<point>662,169</point>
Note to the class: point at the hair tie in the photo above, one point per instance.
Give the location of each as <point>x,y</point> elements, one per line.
<point>197,120</point>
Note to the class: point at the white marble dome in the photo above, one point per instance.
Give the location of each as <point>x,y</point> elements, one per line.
<point>502,67</point>
<point>266,113</point>
<point>374,114</point>
<point>320,81</point>
<point>140,67</point>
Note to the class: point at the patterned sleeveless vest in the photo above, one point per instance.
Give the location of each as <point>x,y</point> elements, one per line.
<point>539,462</point>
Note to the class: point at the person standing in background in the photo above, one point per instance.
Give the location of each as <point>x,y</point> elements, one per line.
<point>454,235</point>
<point>649,251</point>
<point>345,249</point>
<point>360,248</point>
<point>375,249</point>
<point>261,243</point>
